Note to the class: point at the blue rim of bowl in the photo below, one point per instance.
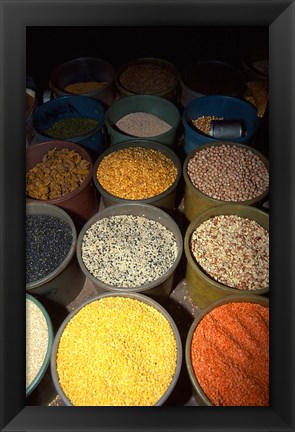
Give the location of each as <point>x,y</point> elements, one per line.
<point>46,360</point>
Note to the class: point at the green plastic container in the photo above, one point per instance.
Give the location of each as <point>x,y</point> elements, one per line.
<point>159,289</point>
<point>46,361</point>
<point>203,289</point>
<point>156,105</point>
<point>195,201</point>
<point>165,200</point>
<point>198,394</point>
<point>65,283</point>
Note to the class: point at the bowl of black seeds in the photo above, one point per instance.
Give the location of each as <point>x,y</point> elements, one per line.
<point>52,269</point>
<point>131,248</point>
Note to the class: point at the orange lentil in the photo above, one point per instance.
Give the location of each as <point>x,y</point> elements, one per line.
<point>84,87</point>
<point>230,354</point>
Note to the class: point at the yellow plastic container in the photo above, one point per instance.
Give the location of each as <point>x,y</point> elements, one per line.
<point>203,289</point>
<point>195,201</point>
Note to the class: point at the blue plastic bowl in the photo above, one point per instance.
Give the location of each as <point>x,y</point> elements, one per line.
<point>68,107</point>
<point>227,107</point>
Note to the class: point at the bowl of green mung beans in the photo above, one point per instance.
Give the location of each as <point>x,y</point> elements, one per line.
<point>116,350</point>
<point>39,340</point>
<point>131,248</point>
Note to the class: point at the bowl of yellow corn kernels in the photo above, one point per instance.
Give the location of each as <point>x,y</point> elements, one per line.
<point>107,353</point>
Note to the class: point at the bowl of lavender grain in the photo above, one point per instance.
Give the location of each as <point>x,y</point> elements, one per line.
<point>143,116</point>
<point>229,336</point>
<point>224,173</point>
<point>227,252</point>
<point>131,248</point>
<point>39,340</point>
<point>138,171</point>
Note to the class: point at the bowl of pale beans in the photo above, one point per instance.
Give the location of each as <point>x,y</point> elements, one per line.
<point>39,340</point>
<point>224,173</point>
<point>106,353</point>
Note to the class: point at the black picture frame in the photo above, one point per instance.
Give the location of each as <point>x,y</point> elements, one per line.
<point>15,16</point>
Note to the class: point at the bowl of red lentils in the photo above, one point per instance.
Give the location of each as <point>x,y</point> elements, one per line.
<point>39,340</point>
<point>131,248</point>
<point>227,352</point>
<point>116,350</point>
<point>227,252</point>
<point>224,173</point>
<point>138,171</point>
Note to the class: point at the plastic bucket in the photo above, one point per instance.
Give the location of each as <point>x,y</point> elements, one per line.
<point>203,289</point>
<point>165,200</point>
<point>34,383</point>
<point>170,92</point>
<point>226,107</point>
<point>64,283</point>
<point>137,297</point>
<point>195,201</point>
<point>156,105</point>
<point>198,393</point>
<point>83,202</point>
<point>210,77</point>
<point>159,289</point>
<point>69,107</point>
<point>85,69</point>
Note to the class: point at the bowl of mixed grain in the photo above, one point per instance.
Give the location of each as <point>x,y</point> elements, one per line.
<point>39,340</point>
<point>138,171</point>
<point>143,116</point>
<point>116,350</point>
<point>227,352</point>
<point>227,252</point>
<point>224,173</point>
<point>131,248</point>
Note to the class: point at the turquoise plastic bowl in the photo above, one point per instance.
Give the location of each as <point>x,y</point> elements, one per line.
<point>230,108</point>
<point>46,361</point>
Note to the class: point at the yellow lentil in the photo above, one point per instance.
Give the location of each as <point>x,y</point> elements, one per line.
<point>84,87</point>
<point>116,351</point>
<point>136,173</point>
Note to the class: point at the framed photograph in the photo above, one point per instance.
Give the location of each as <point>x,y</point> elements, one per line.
<point>16,19</point>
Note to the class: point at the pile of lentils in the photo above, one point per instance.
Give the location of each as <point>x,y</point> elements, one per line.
<point>85,87</point>
<point>37,338</point>
<point>109,354</point>
<point>230,354</point>
<point>128,251</point>
<point>71,127</point>
<point>136,173</point>
<point>233,250</point>
<point>147,78</point>
<point>142,124</point>
<point>60,173</point>
<point>48,241</point>
<point>228,173</point>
